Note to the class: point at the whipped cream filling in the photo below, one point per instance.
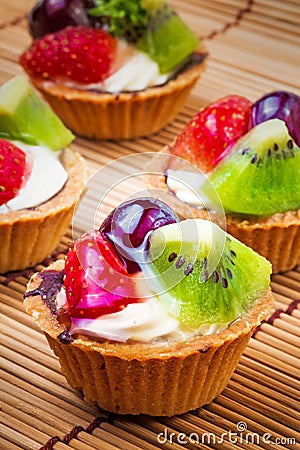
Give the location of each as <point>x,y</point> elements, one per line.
<point>46,179</point>
<point>138,321</point>
<point>187,186</point>
<point>136,74</point>
<point>147,321</point>
<point>132,71</point>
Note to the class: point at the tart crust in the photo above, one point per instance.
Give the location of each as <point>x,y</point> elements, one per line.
<point>276,237</point>
<point>28,236</point>
<point>154,379</point>
<point>124,115</point>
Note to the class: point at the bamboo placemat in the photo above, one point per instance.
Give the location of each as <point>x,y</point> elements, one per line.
<point>254,49</point>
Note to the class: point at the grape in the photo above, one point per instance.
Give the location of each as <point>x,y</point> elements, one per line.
<point>279,105</point>
<point>51,15</point>
<point>128,227</point>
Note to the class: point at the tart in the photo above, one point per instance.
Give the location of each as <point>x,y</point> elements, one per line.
<point>132,84</point>
<point>39,212</point>
<point>137,354</point>
<point>123,115</point>
<point>28,236</point>
<point>263,214</point>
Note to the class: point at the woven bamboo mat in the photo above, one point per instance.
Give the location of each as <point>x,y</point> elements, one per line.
<point>254,48</point>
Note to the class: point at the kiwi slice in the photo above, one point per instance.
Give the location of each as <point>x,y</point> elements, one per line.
<point>203,275</point>
<point>167,39</point>
<point>26,117</point>
<point>261,174</point>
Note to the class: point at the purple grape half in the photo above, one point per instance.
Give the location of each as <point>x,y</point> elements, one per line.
<point>279,105</point>
<point>128,228</point>
<point>48,16</point>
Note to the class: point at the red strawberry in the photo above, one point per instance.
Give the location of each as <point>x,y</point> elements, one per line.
<point>96,282</point>
<point>12,170</point>
<point>79,53</point>
<point>212,131</point>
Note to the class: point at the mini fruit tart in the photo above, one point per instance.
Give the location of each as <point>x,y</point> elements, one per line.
<point>113,71</point>
<point>149,314</point>
<point>248,157</point>
<point>40,177</point>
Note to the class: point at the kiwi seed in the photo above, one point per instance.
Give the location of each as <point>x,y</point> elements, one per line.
<point>205,275</point>
<point>180,261</point>
<point>229,273</point>
<point>172,256</point>
<point>188,269</point>
<point>215,276</point>
<point>224,282</point>
<point>245,151</point>
<point>254,158</point>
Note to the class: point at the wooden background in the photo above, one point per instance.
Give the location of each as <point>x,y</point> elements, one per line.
<point>254,49</point>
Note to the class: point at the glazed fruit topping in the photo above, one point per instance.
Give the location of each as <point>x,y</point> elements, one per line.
<point>152,26</point>
<point>122,18</point>
<point>13,170</point>
<point>210,134</point>
<point>279,105</point>
<point>128,228</point>
<point>96,281</point>
<point>166,39</point>
<point>25,117</point>
<point>126,19</point>
<point>99,265</point>
<point>193,256</point>
<point>81,54</point>
<point>205,275</point>
<point>260,175</point>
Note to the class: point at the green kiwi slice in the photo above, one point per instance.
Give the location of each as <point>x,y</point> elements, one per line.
<point>261,173</point>
<point>203,275</point>
<point>167,39</point>
<point>26,117</point>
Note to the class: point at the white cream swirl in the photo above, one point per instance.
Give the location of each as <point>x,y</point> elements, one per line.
<point>187,186</point>
<point>46,179</point>
<point>147,321</point>
<point>136,74</point>
<point>132,71</point>
<point>144,321</point>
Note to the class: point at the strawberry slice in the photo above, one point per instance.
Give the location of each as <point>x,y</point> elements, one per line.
<point>96,282</point>
<point>12,170</point>
<point>81,54</point>
<point>207,138</point>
